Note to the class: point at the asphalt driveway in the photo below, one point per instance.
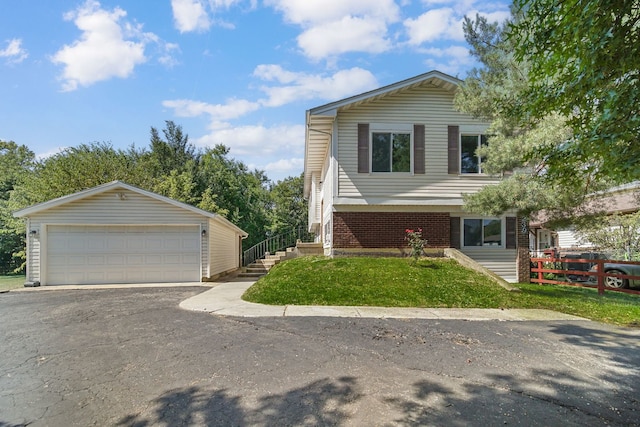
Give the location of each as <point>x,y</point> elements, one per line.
<point>132,357</point>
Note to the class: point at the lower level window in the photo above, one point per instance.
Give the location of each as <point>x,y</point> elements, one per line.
<point>482,232</point>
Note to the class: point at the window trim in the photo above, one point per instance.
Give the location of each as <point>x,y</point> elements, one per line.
<point>392,128</point>
<point>503,234</point>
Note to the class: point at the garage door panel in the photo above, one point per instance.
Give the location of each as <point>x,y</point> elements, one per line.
<point>135,276</point>
<point>115,260</point>
<point>122,254</point>
<point>191,244</point>
<point>76,260</point>
<point>135,244</point>
<point>135,259</point>
<point>96,260</point>
<point>95,277</point>
<point>189,258</point>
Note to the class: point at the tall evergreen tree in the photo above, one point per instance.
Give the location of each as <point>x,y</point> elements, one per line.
<point>516,145</point>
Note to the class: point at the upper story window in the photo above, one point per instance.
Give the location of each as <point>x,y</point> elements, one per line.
<point>482,232</point>
<point>470,162</point>
<point>391,148</point>
<point>390,152</point>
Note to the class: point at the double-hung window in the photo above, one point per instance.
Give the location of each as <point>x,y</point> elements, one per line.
<point>482,232</point>
<point>470,161</point>
<point>391,148</point>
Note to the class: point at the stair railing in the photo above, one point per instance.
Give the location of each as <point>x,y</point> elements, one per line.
<point>275,243</point>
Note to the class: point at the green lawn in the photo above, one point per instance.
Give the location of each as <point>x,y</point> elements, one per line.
<point>433,282</point>
<point>11,282</point>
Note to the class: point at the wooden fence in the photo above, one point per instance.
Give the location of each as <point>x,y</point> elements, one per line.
<point>562,268</point>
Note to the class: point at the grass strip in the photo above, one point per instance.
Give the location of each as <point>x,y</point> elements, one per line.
<point>432,282</point>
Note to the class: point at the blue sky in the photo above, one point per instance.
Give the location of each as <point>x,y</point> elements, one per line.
<point>237,72</point>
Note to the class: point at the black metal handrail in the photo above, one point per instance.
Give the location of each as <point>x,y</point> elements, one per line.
<point>276,243</point>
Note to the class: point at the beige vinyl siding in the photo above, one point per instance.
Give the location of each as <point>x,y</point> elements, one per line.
<point>422,105</point>
<point>567,239</point>
<point>314,201</point>
<point>499,260</point>
<point>224,248</point>
<point>327,201</point>
<point>107,208</point>
<point>33,252</point>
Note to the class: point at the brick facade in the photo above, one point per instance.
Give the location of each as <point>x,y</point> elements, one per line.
<point>361,230</point>
<point>523,264</point>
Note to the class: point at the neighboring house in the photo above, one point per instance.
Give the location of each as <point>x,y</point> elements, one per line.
<point>401,157</point>
<point>117,233</point>
<point>621,199</point>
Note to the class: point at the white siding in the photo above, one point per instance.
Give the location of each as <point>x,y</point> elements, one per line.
<point>500,261</point>
<point>430,106</point>
<point>105,209</point>
<point>567,239</point>
<point>33,253</point>
<point>327,202</point>
<point>314,202</point>
<point>224,248</point>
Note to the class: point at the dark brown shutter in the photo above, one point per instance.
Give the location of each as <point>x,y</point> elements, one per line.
<point>363,148</point>
<point>454,232</point>
<point>511,232</point>
<point>418,149</point>
<point>454,155</point>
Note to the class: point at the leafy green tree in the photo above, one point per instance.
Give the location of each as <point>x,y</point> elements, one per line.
<point>289,208</point>
<point>515,144</point>
<point>174,152</point>
<point>78,168</point>
<point>618,235</point>
<point>242,193</point>
<point>208,179</point>
<point>16,162</point>
<point>584,61</point>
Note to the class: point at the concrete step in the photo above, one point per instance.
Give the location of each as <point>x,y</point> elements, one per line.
<point>252,275</point>
<point>260,267</point>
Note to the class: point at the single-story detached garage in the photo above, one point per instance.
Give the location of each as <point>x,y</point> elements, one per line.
<point>117,233</point>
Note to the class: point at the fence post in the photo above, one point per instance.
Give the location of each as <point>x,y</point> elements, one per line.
<point>600,276</point>
<point>540,274</point>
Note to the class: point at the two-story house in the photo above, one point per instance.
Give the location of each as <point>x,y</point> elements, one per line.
<point>401,157</point>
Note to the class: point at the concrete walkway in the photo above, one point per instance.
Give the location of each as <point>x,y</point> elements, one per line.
<point>225,300</point>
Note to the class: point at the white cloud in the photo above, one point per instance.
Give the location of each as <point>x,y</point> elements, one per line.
<point>433,25</point>
<point>233,108</point>
<point>14,52</point>
<point>299,86</point>
<point>166,57</point>
<point>287,167</point>
<point>448,60</point>
<point>190,15</point>
<point>309,12</point>
<point>198,15</point>
<point>443,20</point>
<point>103,51</point>
<point>258,142</point>
<point>334,27</point>
<point>349,34</point>
<point>293,87</point>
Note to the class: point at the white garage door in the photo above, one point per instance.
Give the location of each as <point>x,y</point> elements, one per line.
<point>122,254</point>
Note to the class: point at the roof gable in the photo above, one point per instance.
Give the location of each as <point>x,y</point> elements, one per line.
<point>435,78</point>
<point>115,185</point>
<point>320,120</point>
